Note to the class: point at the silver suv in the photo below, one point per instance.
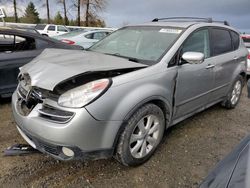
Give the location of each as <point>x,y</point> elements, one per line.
<point>118,97</point>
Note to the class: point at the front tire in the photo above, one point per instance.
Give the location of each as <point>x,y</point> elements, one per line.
<point>234,94</point>
<point>141,136</point>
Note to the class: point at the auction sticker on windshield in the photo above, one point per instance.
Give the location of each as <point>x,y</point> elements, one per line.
<point>174,31</point>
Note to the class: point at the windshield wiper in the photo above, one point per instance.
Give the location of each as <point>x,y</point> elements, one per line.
<point>129,58</point>
<point>133,59</point>
<point>114,54</point>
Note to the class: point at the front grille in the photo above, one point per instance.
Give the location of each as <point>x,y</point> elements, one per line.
<point>55,150</point>
<point>52,114</point>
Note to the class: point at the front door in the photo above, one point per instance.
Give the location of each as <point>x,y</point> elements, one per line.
<point>194,81</point>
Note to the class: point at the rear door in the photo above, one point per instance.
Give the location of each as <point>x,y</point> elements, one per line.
<point>225,59</point>
<point>61,30</point>
<point>15,51</point>
<point>51,30</point>
<point>194,81</point>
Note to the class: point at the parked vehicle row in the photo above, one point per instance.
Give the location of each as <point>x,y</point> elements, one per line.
<point>118,97</point>
<point>51,29</point>
<point>83,38</point>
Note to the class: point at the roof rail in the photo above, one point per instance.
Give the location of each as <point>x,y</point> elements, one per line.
<point>208,20</point>
<point>223,22</point>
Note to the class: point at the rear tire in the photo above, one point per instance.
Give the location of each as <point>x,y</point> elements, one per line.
<point>234,94</point>
<point>141,136</point>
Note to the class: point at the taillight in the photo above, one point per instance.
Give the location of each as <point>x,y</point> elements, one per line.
<point>248,57</point>
<point>68,41</point>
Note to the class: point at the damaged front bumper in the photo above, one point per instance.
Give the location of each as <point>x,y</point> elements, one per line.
<point>50,128</point>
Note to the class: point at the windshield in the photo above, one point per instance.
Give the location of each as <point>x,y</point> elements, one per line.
<point>141,43</point>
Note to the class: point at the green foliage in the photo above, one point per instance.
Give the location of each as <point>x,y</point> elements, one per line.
<point>73,22</point>
<point>10,19</point>
<point>58,19</point>
<point>96,23</point>
<point>31,15</point>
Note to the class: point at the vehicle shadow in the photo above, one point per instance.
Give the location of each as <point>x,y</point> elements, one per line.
<point>5,100</point>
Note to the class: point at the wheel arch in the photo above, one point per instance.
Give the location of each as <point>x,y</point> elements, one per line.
<point>159,101</point>
<point>244,76</point>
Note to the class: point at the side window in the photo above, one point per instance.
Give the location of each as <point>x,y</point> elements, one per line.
<point>24,43</point>
<point>222,42</point>
<point>99,35</point>
<point>6,42</point>
<point>235,39</point>
<point>51,28</point>
<point>61,29</point>
<point>16,43</point>
<point>89,36</point>
<point>198,42</point>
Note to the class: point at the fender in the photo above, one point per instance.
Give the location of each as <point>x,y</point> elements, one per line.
<point>120,101</point>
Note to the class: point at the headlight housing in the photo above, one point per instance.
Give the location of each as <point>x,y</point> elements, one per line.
<point>82,95</point>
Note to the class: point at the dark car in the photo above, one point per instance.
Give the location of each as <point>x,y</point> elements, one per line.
<point>233,170</point>
<point>18,47</point>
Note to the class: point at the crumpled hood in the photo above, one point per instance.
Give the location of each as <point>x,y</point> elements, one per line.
<point>53,66</point>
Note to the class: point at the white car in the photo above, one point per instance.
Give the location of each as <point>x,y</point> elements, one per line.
<point>83,38</point>
<point>246,39</point>
<point>51,29</point>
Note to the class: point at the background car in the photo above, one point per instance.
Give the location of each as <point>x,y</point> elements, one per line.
<point>246,39</point>
<point>233,170</point>
<point>51,30</point>
<point>18,47</point>
<point>83,38</point>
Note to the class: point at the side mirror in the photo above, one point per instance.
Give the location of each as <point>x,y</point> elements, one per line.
<point>193,57</point>
<point>248,87</point>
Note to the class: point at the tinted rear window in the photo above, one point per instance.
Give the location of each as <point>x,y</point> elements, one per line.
<point>221,41</point>
<point>235,39</point>
<point>40,27</point>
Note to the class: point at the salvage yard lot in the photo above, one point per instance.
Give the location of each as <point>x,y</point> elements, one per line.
<point>189,151</point>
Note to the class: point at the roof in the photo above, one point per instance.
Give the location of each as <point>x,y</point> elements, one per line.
<point>185,24</point>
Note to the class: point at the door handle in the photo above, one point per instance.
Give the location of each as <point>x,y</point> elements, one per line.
<point>210,66</point>
<point>236,58</point>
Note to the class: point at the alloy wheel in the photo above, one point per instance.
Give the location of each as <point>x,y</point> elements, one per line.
<point>145,136</point>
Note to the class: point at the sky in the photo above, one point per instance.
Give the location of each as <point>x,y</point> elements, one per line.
<point>122,12</point>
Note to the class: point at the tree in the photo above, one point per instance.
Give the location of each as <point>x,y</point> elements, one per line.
<point>92,7</point>
<point>47,7</point>
<point>58,19</point>
<point>63,2</point>
<point>14,8</point>
<point>31,15</point>
<point>15,11</point>
<point>78,6</point>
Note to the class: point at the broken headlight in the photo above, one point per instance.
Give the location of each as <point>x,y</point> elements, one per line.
<point>82,95</point>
